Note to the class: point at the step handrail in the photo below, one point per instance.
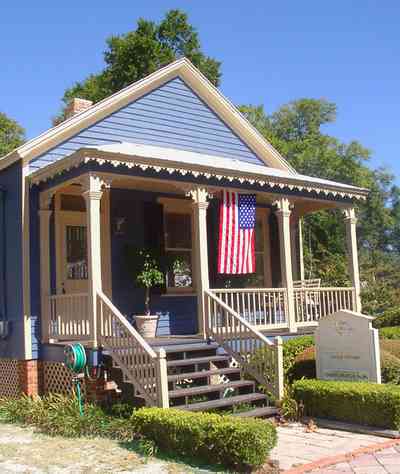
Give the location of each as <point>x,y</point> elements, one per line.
<point>145,368</point>
<point>259,356</point>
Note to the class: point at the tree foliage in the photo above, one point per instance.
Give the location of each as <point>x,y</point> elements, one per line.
<point>133,55</point>
<point>297,130</point>
<point>12,135</point>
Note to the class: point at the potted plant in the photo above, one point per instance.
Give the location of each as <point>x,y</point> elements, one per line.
<point>148,275</point>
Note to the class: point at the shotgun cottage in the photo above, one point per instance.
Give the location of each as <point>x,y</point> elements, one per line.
<point>147,166</point>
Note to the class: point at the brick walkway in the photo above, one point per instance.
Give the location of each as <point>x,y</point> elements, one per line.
<point>386,461</point>
<point>299,445</point>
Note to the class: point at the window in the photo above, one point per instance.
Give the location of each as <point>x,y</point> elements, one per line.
<point>178,247</point>
<point>77,268</point>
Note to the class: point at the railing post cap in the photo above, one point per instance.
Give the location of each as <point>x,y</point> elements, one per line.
<point>161,353</point>
<point>278,340</point>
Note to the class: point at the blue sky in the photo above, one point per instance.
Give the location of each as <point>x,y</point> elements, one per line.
<point>271,52</point>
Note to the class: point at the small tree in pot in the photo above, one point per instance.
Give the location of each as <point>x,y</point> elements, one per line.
<point>147,275</point>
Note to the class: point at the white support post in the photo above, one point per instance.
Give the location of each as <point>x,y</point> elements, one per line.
<point>283,213</point>
<point>162,379</point>
<point>200,205</point>
<point>352,254</point>
<point>92,194</point>
<point>301,250</point>
<point>44,219</point>
<point>279,373</point>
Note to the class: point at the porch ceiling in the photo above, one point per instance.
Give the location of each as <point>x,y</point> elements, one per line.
<point>179,163</point>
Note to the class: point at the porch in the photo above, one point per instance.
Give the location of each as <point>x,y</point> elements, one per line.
<point>89,212</point>
<point>82,251</point>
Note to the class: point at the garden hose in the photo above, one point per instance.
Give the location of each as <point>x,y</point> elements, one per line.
<point>75,360</point>
<point>75,357</point>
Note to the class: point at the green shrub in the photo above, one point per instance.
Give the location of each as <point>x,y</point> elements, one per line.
<point>390,333</point>
<point>354,402</point>
<point>391,345</point>
<point>304,365</point>
<point>389,318</point>
<point>224,439</point>
<point>293,347</point>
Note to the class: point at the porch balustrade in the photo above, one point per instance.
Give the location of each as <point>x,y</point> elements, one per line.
<point>261,307</point>
<point>312,304</point>
<point>69,317</point>
<point>268,309</point>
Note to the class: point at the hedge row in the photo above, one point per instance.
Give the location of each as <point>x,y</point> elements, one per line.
<point>304,365</point>
<point>224,439</point>
<point>390,332</point>
<point>353,402</point>
<point>209,438</point>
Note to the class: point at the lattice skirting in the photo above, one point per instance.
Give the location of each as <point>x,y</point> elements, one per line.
<point>10,386</point>
<point>58,379</point>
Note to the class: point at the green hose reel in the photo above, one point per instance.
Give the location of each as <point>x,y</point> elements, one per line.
<point>75,359</point>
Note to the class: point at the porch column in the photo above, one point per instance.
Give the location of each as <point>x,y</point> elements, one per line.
<point>283,213</point>
<point>200,205</point>
<point>44,229</point>
<point>92,195</point>
<point>352,254</point>
<point>301,249</point>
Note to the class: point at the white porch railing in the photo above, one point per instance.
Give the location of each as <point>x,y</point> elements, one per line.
<point>69,317</point>
<point>261,307</point>
<point>312,304</point>
<point>140,364</point>
<point>249,347</point>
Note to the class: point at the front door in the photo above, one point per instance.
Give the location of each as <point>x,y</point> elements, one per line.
<point>73,270</point>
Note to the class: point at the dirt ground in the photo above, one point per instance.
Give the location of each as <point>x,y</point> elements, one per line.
<point>24,451</point>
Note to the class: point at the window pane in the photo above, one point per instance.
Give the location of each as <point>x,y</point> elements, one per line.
<point>178,231</point>
<point>76,253</point>
<point>179,273</point>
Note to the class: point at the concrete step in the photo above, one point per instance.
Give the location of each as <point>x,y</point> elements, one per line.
<point>203,374</point>
<point>258,412</point>
<point>223,402</point>
<point>192,391</point>
<point>197,360</point>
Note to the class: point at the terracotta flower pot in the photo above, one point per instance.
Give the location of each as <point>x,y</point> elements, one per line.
<point>146,325</point>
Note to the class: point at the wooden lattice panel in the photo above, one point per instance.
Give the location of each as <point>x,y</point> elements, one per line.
<point>58,379</point>
<point>9,378</point>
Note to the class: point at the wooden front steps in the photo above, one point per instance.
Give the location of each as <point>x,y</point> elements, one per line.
<point>202,377</point>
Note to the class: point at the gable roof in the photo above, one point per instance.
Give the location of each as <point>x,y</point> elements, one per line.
<point>182,68</point>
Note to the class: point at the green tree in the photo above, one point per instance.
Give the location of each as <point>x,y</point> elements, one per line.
<point>297,131</point>
<point>12,135</point>
<point>133,55</point>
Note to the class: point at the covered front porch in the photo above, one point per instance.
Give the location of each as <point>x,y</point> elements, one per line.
<point>88,217</point>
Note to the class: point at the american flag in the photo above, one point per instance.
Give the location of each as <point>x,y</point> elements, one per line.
<point>236,254</point>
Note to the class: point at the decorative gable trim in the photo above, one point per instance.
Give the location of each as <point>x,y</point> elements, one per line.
<point>291,183</point>
<point>182,68</point>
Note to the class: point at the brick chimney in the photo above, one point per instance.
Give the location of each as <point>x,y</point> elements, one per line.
<point>76,106</point>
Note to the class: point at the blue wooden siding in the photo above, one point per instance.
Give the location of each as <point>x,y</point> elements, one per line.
<point>11,181</point>
<point>179,314</point>
<point>171,116</point>
<point>34,255</point>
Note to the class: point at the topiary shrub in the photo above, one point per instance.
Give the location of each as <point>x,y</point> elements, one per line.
<point>353,402</point>
<point>389,318</point>
<point>293,347</point>
<point>390,333</point>
<point>304,366</point>
<point>235,442</point>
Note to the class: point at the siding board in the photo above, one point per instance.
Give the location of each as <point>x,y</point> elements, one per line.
<point>172,116</point>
